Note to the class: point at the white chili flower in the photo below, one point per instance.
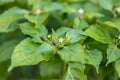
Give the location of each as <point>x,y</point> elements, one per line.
<point>61,40</point>
<point>81,11</point>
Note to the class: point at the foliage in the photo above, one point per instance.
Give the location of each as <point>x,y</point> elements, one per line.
<point>59,39</point>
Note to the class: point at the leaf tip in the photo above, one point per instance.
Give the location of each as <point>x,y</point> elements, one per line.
<point>107,64</point>
<point>10,68</point>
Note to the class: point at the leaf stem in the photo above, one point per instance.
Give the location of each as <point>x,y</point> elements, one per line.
<point>64,70</point>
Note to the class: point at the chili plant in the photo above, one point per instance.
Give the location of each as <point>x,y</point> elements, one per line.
<point>60,39</point>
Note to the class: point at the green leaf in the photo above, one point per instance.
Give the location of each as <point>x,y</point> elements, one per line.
<point>29,29</point>
<point>37,19</point>
<point>106,4</point>
<point>75,36</point>
<point>53,7</point>
<point>117,66</point>
<point>43,30</point>
<point>73,53</point>
<point>36,33</point>
<point>91,10</point>
<point>75,71</point>
<point>7,49</point>
<point>71,34</point>
<point>116,3</point>
<point>93,44</point>
<point>101,34</point>
<point>2,2</point>
<point>37,39</point>
<point>115,23</point>
<point>61,32</point>
<point>113,53</point>
<point>80,24</point>
<point>76,53</point>
<point>53,67</point>
<point>9,19</point>
<point>33,2</point>
<point>29,53</point>
<point>95,58</point>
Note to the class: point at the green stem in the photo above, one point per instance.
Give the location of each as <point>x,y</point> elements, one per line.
<point>64,70</point>
<point>114,14</point>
